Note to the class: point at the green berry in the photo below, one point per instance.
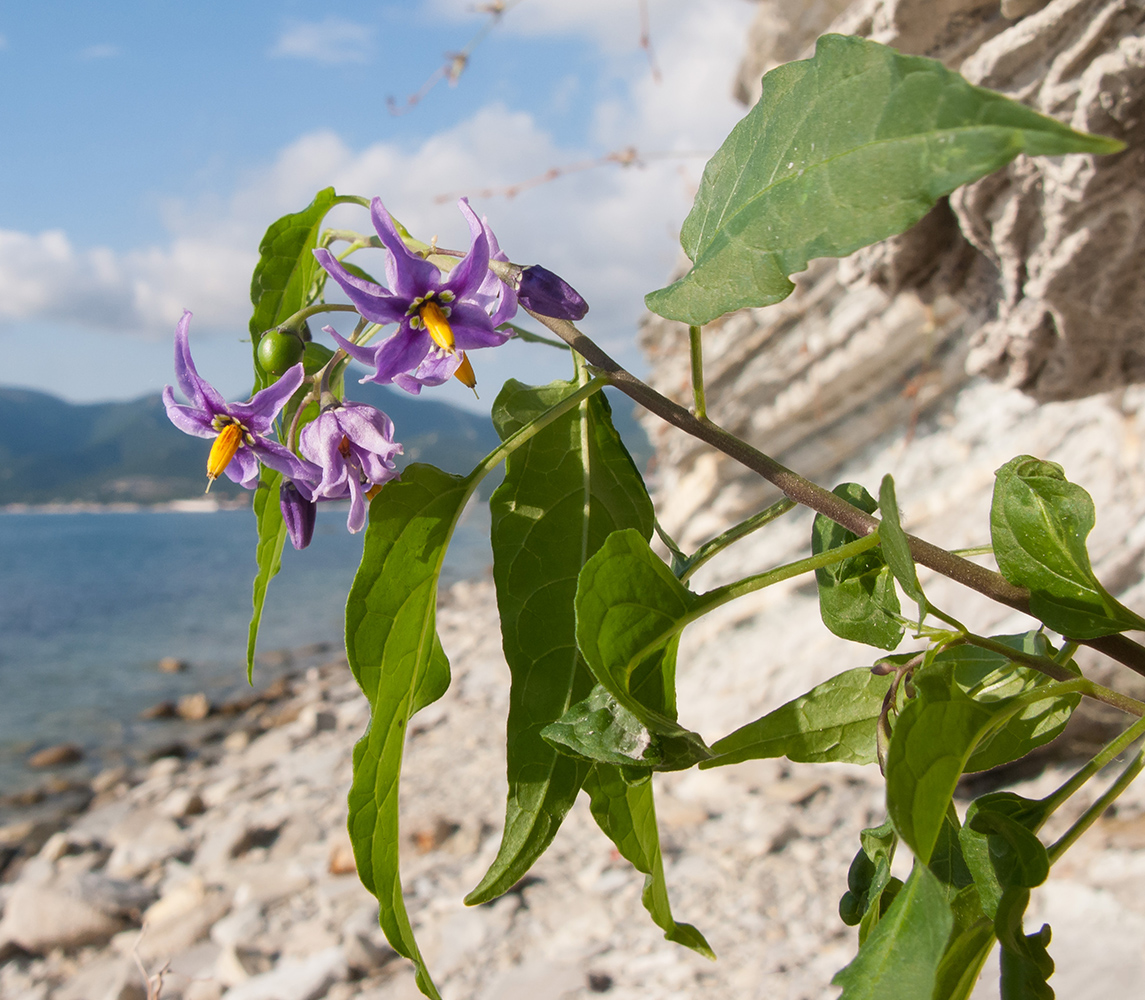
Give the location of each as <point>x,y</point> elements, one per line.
<point>279,351</point>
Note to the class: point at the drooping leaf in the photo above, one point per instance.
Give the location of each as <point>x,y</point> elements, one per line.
<point>564,491</point>
<point>857,598</point>
<point>842,150</point>
<point>629,607</point>
<point>1038,525</point>
<point>268,553</point>
<point>627,814</point>
<point>900,958</point>
<point>395,655</point>
<point>834,721</point>
<point>1000,845</point>
<point>1026,963</point>
<point>868,877</point>
<point>285,270</point>
<point>896,547</point>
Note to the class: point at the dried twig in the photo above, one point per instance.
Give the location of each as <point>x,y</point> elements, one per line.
<point>455,62</point>
<point>629,156</point>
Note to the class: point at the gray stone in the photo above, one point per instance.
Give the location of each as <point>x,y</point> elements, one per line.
<point>42,917</point>
<point>295,979</point>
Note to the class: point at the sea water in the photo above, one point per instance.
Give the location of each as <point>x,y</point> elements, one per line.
<point>89,603</point>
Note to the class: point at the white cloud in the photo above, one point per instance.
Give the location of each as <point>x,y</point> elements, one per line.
<point>333,40</point>
<point>102,51</point>
<point>611,231</point>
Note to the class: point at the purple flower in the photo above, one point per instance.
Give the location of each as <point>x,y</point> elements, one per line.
<point>439,317</point>
<point>240,429</point>
<point>298,511</point>
<point>353,445</point>
<point>549,294</point>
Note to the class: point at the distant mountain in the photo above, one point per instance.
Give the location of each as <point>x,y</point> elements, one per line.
<point>55,451</point>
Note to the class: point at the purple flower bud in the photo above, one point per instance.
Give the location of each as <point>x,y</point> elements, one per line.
<point>298,513</point>
<point>549,294</point>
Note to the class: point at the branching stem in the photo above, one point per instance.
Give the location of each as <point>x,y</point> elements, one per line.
<point>807,493</point>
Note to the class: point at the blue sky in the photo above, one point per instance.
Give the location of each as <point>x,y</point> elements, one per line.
<point>147,145</point>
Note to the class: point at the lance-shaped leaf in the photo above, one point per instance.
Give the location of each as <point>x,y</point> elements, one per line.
<point>842,150</point>
<point>900,958</point>
<point>896,546</point>
<point>565,491</point>
<point>627,814</point>
<point>268,553</point>
<point>1038,525</point>
<point>834,721</point>
<point>857,598</point>
<point>629,607</point>
<point>394,652</point>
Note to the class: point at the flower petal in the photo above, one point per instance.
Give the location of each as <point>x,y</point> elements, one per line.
<point>283,460</point>
<point>466,278</point>
<point>189,419</point>
<point>473,328</point>
<point>402,352</point>
<point>199,392</point>
<point>411,275</point>
<point>373,301</point>
<point>259,413</point>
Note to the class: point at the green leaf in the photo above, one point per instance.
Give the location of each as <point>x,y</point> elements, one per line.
<point>834,721</point>
<point>268,554</point>
<point>565,491</point>
<point>627,814</point>
<point>629,607</point>
<point>987,676</point>
<point>857,598</point>
<point>1026,962</point>
<point>896,547</point>
<point>842,150</point>
<point>285,270</point>
<point>1000,845</point>
<point>963,960</point>
<point>1038,525</point>
<point>600,730</point>
<point>930,744</point>
<point>900,958</point>
<point>868,876</point>
<point>395,655</point>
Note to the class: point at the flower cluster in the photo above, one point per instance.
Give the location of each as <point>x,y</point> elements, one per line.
<point>347,451</point>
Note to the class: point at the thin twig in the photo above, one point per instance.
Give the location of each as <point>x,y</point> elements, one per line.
<point>807,493</point>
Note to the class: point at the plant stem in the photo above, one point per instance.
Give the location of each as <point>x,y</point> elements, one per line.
<point>700,403</point>
<point>803,491</point>
<point>300,317</point>
<point>734,534</point>
<point>1117,745</point>
<point>1093,813</point>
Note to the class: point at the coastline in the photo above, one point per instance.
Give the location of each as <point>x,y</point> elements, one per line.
<point>231,867</point>
<point>191,505</point>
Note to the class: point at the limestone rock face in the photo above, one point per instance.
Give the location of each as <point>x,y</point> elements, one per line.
<point>1032,277</point>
